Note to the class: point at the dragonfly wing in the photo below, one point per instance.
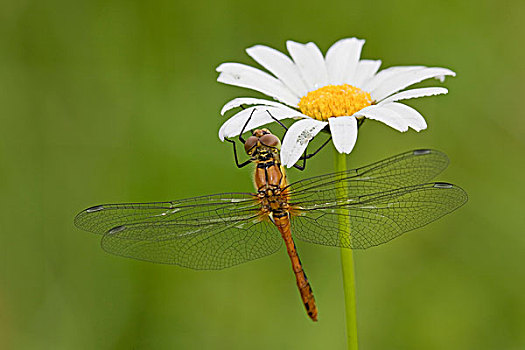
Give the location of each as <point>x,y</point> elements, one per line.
<point>405,169</point>
<point>209,247</point>
<point>102,218</point>
<point>209,232</point>
<point>376,218</point>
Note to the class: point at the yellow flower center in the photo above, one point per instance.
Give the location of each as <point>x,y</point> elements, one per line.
<point>334,101</point>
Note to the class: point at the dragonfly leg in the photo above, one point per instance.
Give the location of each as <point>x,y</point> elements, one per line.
<point>360,122</point>
<point>239,165</point>
<point>241,139</point>
<point>306,156</point>
<point>277,120</point>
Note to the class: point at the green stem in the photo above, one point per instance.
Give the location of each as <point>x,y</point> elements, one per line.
<point>347,262</point>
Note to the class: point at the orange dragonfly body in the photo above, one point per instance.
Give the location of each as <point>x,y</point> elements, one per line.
<point>380,201</point>
<point>271,185</point>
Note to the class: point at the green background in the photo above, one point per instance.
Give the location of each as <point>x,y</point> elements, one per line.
<point>114,101</point>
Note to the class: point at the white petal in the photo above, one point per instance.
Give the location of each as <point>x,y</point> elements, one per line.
<point>342,59</point>
<point>402,80</point>
<point>387,73</point>
<point>310,62</point>
<point>387,116</point>
<point>279,65</point>
<point>366,69</point>
<point>252,78</point>
<point>239,101</point>
<point>414,93</point>
<point>296,139</point>
<point>411,117</point>
<point>233,126</point>
<point>344,133</point>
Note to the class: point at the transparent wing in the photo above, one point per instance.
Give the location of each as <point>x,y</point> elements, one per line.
<point>209,232</point>
<point>405,169</point>
<point>375,218</point>
<point>102,218</point>
<point>209,247</point>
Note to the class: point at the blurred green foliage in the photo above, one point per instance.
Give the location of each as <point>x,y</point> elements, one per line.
<point>112,101</point>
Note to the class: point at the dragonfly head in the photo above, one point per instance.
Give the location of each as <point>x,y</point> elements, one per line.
<point>261,141</point>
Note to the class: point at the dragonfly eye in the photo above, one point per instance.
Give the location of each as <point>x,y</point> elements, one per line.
<point>270,140</point>
<point>250,143</point>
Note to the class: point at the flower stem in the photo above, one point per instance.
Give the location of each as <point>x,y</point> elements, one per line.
<point>347,262</point>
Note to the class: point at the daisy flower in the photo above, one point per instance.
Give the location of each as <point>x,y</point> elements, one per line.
<point>334,90</point>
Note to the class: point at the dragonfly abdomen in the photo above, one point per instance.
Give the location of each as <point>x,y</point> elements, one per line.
<point>282,221</point>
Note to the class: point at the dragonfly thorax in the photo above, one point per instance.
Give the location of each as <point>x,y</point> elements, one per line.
<point>273,200</point>
<point>269,177</point>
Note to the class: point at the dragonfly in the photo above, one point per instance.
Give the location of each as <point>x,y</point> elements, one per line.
<point>379,202</point>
